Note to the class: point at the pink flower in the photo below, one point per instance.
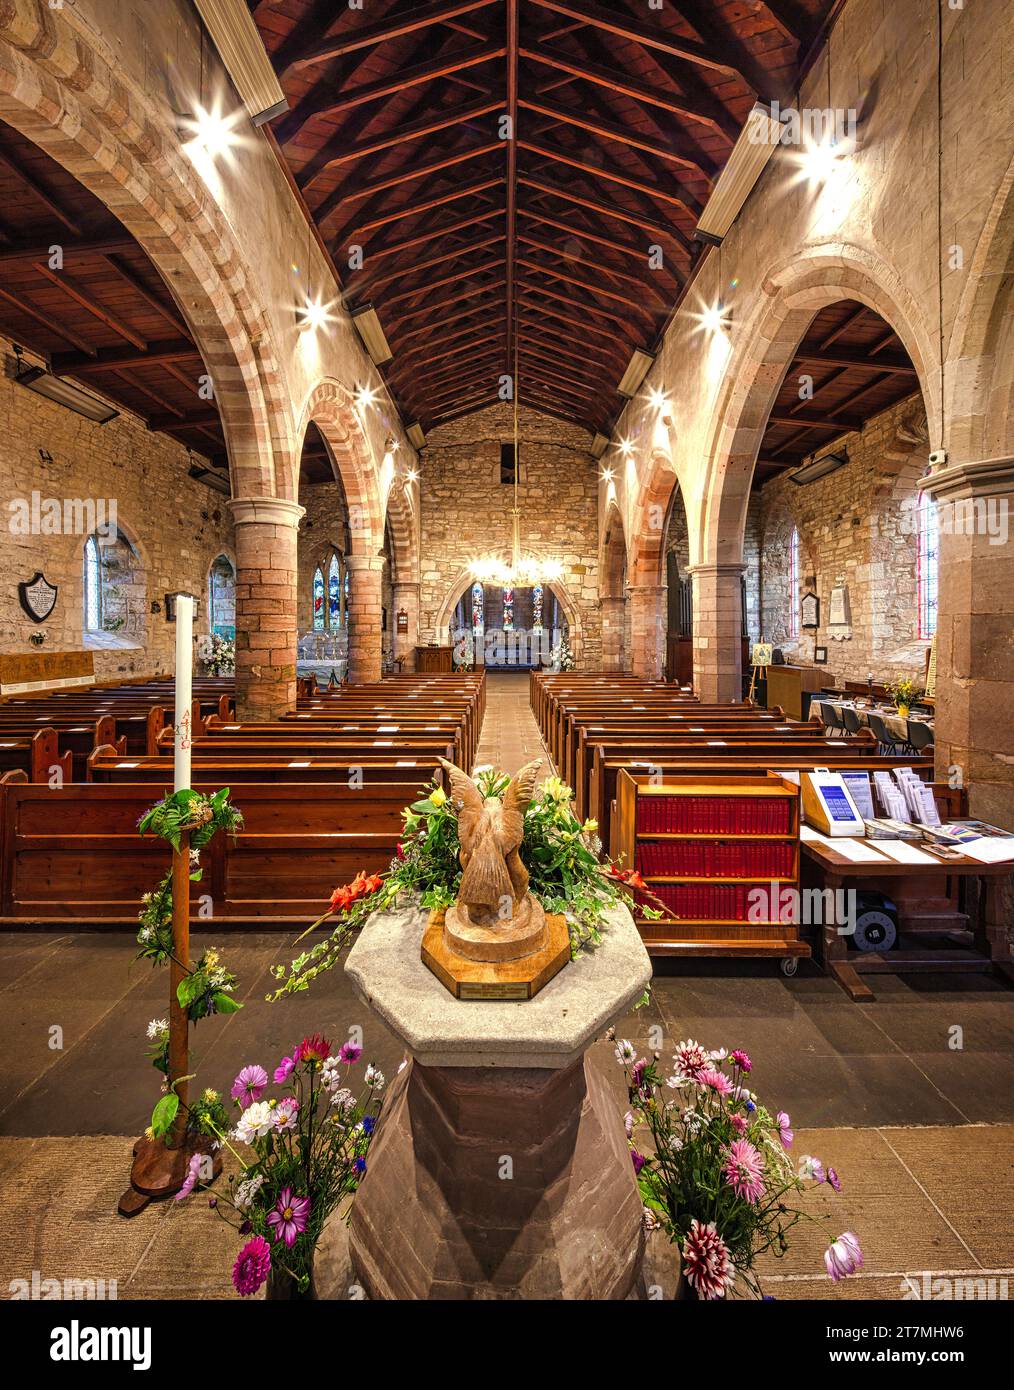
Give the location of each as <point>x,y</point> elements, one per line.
<point>191,1177</point>
<point>784,1125</point>
<point>738,1123</point>
<point>742,1060</point>
<point>843,1256</point>
<point>717,1080</point>
<point>285,1114</point>
<point>628,1124</point>
<point>638,1160</point>
<point>284,1070</point>
<point>707,1263</point>
<point>253,1264</point>
<point>690,1058</point>
<point>249,1085</point>
<point>744,1170</point>
<point>834,1179</point>
<point>350,1052</point>
<point>288,1216</point>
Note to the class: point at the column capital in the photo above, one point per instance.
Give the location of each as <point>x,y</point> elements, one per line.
<point>984,478</point>
<point>647,588</point>
<point>272,511</point>
<point>720,571</point>
<point>406,586</point>
<point>359,564</point>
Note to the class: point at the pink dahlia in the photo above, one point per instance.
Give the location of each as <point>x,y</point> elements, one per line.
<point>744,1170</point>
<point>784,1125</point>
<point>843,1256</point>
<point>249,1085</point>
<point>738,1123</point>
<point>707,1263</point>
<point>717,1080</point>
<point>690,1058</point>
<point>252,1267</point>
<point>288,1216</point>
<point>742,1060</point>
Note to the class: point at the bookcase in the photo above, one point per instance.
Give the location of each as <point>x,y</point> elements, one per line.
<point>720,854</point>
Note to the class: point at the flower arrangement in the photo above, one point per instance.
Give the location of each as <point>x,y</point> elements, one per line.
<point>309,1145</point>
<point>560,853</point>
<point>903,692</point>
<point>561,657</point>
<point>219,655</point>
<point>720,1180</point>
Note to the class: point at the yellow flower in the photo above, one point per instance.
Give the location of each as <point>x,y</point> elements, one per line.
<point>555,789</point>
<point>590,827</point>
<point>438,797</point>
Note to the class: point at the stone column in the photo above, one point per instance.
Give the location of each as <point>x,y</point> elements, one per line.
<point>974,727</point>
<point>647,630</point>
<point>614,618</point>
<point>364,617</point>
<point>406,596</point>
<point>266,630</point>
<point>718,632</point>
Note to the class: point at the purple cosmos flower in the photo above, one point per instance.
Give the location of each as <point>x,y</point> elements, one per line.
<point>843,1256</point>
<point>628,1124</point>
<point>284,1070</point>
<point>785,1132</point>
<point>253,1264</point>
<point>350,1052</point>
<point>249,1085</point>
<point>191,1177</point>
<point>288,1216</point>
<point>834,1179</point>
<point>638,1160</point>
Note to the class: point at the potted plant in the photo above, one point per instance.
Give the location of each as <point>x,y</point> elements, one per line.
<point>304,1154</point>
<point>717,1176</point>
<point>903,692</point>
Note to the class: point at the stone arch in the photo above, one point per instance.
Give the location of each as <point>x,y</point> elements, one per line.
<point>657,490</point>
<point>980,361</point>
<point>792,293</point>
<point>330,407</point>
<point>464,580</point>
<point>613,589</point>
<point>402,518</point>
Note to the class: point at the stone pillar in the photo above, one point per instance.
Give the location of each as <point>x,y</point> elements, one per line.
<point>406,596</point>
<point>647,630</point>
<point>718,632</point>
<point>614,621</point>
<point>365,614</point>
<point>266,630</point>
<point>974,726</point>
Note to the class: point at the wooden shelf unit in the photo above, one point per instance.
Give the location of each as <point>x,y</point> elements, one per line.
<point>716,854</point>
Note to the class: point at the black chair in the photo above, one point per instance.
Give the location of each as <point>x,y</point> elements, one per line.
<point>851,720</point>
<point>832,720</point>
<point>920,736</point>
<point>885,739</point>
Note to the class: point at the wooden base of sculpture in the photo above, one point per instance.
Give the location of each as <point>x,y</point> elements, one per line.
<point>516,979</point>
<point>522,935</point>
<point>158,1171</point>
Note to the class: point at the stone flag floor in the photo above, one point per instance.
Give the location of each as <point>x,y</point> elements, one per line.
<point>921,1130</point>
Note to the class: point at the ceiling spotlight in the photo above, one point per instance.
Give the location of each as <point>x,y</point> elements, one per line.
<point>211,133</point>
<point>314,316</point>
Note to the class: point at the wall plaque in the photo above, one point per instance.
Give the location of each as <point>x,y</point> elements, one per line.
<point>38,596</point>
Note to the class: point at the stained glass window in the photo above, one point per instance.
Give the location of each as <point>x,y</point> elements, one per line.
<point>508,610</point>
<point>477,608</point>
<point>318,601</point>
<point>537,608</point>
<point>92,586</point>
<point>345,586</point>
<point>927,566</point>
<point>334,594</point>
<point>794,584</point>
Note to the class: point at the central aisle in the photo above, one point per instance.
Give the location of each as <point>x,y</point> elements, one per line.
<point>509,736</point>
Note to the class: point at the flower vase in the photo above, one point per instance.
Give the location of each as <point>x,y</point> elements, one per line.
<point>903,710</point>
<point>283,1287</point>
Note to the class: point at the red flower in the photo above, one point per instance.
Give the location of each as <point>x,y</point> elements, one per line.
<point>341,898</point>
<point>360,887</point>
<point>372,884</point>
<point>314,1048</point>
<point>636,881</point>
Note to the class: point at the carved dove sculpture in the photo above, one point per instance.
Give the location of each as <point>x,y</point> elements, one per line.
<point>490,832</point>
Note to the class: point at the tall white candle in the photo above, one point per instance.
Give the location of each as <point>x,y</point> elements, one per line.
<point>184,690</point>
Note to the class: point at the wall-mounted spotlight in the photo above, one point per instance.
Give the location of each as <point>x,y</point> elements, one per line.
<point>313,316</point>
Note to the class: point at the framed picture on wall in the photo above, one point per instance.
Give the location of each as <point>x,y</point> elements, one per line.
<point>809,610</point>
<point>820,656</point>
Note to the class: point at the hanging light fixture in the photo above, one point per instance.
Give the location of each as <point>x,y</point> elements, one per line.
<point>525,569</point>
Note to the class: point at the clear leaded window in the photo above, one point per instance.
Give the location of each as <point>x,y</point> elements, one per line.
<point>92,586</point>
<point>794,583</point>
<point>928,566</point>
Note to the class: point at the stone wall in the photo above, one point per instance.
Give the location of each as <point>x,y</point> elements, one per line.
<point>466,512</point>
<point>856,525</point>
<point>175,525</point>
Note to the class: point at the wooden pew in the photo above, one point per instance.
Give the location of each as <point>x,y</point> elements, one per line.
<point>77,739</point>
<point>106,766</point>
<point>37,755</point>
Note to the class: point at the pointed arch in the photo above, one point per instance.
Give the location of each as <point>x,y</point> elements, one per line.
<point>331,407</point>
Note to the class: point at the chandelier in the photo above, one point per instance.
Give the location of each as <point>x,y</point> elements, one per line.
<point>524,570</point>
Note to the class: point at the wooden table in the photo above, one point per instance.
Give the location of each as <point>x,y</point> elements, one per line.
<point>433,658</point>
<point>837,872</point>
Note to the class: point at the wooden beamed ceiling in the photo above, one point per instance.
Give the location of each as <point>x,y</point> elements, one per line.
<point>105,318</point>
<point>623,116</point>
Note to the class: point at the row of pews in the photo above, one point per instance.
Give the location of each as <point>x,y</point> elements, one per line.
<point>321,791</point>
<point>597,728</point>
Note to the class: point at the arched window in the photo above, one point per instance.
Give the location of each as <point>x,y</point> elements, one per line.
<point>537,608</point>
<point>92,587</point>
<point>222,598</point>
<point>794,583</point>
<point>508,610</point>
<point>318,600</point>
<point>334,594</point>
<point>927,566</point>
<point>478,618</point>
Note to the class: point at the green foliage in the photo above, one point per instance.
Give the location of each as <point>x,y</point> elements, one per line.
<point>164,1115</point>
<point>207,989</point>
<point>190,810</point>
